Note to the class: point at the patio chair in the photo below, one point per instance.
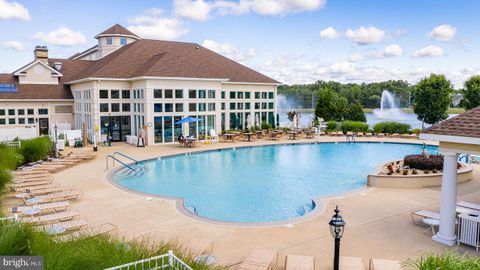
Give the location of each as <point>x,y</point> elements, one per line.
<point>472,206</point>
<point>37,192</point>
<point>29,172</point>
<point>33,179</point>
<point>213,135</point>
<point>384,264</point>
<point>51,218</point>
<point>35,187</point>
<point>44,207</point>
<point>15,186</point>
<point>260,259</point>
<point>351,263</point>
<point>424,214</point>
<point>69,226</point>
<point>52,197</point>
<point>297,262</point>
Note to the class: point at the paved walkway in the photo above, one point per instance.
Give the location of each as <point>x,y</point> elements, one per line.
<point>378,220</point>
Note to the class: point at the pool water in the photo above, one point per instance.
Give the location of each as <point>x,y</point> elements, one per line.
<point>264,184</point>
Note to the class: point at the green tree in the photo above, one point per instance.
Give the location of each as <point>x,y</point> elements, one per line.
<point>432,98</point>
<point>323,109</point>
<point>339,108</point>
<point>471,93</point>
<point>355,113</point>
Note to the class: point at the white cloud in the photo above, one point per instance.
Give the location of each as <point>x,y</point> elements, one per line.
<point>356,57</point>
<point>12,45</point>
<point>365,35</point>
<point>392,50</point>
<point>152,25</point>
<point>267,7</point>
<point>13,10</point>
<point>197,10</point>
<point>330,33</point>
<point>429,51</point>
<point>444,32</point>
<point>62,36</point>
<point>228,50</point>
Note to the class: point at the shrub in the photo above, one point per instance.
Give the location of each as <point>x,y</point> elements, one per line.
<point>5,178</point>
<point>416,131</point>
<point>9,158</point>
<point>354,126</point>
<point>447,261</point>
<point>391,127</point>
<point>419,162</point>
<point>266,125</point>
<point>331,125</point>
<point>36,149</point>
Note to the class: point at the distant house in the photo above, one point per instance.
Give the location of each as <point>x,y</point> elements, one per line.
<point>125,83</point>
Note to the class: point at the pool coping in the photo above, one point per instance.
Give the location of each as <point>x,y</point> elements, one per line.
<point>319,201</point>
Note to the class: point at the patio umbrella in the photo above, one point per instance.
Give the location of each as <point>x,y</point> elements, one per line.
<point>188,120</point>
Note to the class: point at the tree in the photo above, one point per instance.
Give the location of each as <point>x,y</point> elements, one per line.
<point>323,109</point>
<point>339,108</point>
<point>432,98</point>
<point>471,93</point>
<point>355,113</point>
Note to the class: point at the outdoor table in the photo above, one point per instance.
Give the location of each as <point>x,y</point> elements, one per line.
<point>190,142</point>
<point>229,136</point>
<point>292,135</point>
<point>259,134</point>
<point>308,134</point>
<point>57,229</point>
<point>248,136</point>
<point>31,211</point>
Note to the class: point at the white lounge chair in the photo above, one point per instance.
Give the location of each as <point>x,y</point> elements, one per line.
<point>44,207</point>
<point>213,136</point>
<point>55,217</point>
<point>101,229</point>
<point>297,262</point>
<point>469,205</point>
<point>424,214</point>
<point>66,226</point>
<point>351,263</point>
<point>260,259</point>
<point>384,264</point>
<point>52,197</point>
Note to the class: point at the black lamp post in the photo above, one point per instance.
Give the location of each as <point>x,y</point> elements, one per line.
<point>337,225</point>
<point>55,128</point>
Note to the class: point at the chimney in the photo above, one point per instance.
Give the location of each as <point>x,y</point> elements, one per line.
<point>41,53</point>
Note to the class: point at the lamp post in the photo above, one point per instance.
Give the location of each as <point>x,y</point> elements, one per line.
<point>55,128</point>
<point>337,225</point>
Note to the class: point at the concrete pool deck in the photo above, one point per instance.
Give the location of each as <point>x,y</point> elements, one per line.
<point>378,219</point>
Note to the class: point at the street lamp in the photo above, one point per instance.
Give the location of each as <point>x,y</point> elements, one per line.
<point>55,128</point>
<point>337,225</point>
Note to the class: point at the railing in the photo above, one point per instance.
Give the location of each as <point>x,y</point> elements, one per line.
<point>116,159</point>
<point>165,261</point>
<point>463,156</point>
<point>125,156</point>
<point>15,145</point>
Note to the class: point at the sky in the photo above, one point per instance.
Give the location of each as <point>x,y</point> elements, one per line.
<point>292,41</point>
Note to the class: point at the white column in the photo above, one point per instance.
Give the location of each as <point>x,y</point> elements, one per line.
<point>446,234</point>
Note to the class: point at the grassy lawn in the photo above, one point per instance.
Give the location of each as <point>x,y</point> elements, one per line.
<point>406,110</point>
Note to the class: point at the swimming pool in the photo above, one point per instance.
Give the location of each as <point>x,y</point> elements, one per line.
<point>263,184</point>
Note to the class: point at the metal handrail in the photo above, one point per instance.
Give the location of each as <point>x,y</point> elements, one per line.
<point>114,158</point>
<point>165,261</point>
<point>123,155</point>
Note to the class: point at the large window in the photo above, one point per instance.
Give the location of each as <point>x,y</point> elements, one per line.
<point>43,111</point>
<point>192,93</point>
<point>223,94</point>
<point>30,111</point>
<point>103,107</point>
<point>247,106</point>
<point>115,94</point>
<point>240,106</point>
<point>125,107</point>
<point>202,107</point>
<point>11,111</point>
<point>21,111</point>
<point>270,95</point>
<point>264,95</point>
<point>103,94</point>
<point>270,105</point>
<point>21,121</point>
<point>192,107</point>
<point>178,93</point>
<point>232,106</point>
<point>247,95</point>
<point>232,95</point>
<point>168,93</point>
<point>115,107</point>
<point>31,120</point>
<point>2,112</point>
<point>211,93</point>
<point>157,93</point>
<point>11,121</point>
<point>126,94</point>
<point>202,93</point>
<point>157,107</point>
<point>211,107</point>
<point>240,95</point>
<point>257,95</point>
<point>158,129</point>
<point>179,107</point>
<point>168,107</point>
<point>2,121</point>
<point>109,40</point>
<point>123,41</point>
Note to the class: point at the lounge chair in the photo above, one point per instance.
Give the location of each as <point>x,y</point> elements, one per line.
<point>30,172</point>
<point>296,262</point>
<point>260,259</point>
<point>359,134</point>
<point>351,263</point>
<point>30,184</point>
<point>368,134</point>
<point>32,177</point>
<point>51,218</point>
<point>31,188</point>
<point>394,135</point>
<point>28,180</point>
<point>52,197</point>
<point>37,192</point>
<point>67,225</point>
<point>44,207</point>
<point>469,205</point>
<point>424,214</point>
<point>384,264</point>
<point>101,229</point>
<point>381,135</point>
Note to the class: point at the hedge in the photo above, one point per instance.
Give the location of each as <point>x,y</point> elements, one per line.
<point>331,125</point>
<point>36,149</point>
<point>354,126</point>
<point>434,162</point>
<point>391,127</point>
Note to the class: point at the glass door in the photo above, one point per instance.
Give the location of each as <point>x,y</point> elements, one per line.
<point>43,126</point>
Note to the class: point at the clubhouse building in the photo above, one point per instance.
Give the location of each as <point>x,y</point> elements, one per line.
<point>125,83</point>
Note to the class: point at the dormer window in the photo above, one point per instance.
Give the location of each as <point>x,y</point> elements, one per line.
<point>109,41</point>
<point>123,41</point>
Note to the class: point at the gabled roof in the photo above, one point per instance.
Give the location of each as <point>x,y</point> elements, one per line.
<point>466,124</point>
<point>156,58</point>
<point>80,54</point>
<point>117,30</point>
<point>46,91</point>
<point>19,72</point>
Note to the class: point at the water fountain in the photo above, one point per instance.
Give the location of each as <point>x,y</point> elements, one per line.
<point>388,108</point>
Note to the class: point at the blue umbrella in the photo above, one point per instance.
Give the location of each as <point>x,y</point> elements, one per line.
<point>188,120</point>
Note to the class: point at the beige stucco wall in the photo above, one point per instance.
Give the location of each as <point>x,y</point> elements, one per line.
<point>459,147</point>
<point>38,74</point>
